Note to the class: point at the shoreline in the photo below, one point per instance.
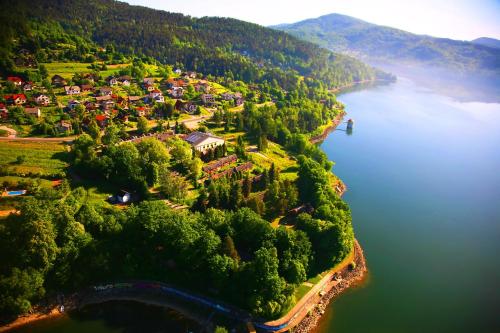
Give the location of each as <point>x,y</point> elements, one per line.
<point>349,278</point>
<point>335,123</point>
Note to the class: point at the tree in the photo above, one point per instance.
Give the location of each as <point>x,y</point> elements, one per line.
<point>142,125</point>
<point>111,135</point>
<point>83,149</point>
<point>181,152</point>
<point>18,289</point>
<point>172,185</point>
<point>247,186</point>
<point>229,249</point>
<point>44,73</point>
<point>195,167</point>
<point>94,131</point>
<point>236,196</point>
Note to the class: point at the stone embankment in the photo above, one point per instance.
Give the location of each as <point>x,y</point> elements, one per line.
<point>349,277</point>
<point>335,122</point>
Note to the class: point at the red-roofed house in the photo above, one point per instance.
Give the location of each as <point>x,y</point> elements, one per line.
<point>16,99</point>
<point>15,79</point>
<point>101,120</point>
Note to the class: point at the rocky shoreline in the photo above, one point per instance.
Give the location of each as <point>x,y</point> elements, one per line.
<point>349,277</point>
<point>335,122</point>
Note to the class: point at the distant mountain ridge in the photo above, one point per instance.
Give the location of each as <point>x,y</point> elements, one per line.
<point>375,44</point>
<point>486,41</point>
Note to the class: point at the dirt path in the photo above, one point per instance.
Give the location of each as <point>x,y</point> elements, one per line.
<point>12,132</point>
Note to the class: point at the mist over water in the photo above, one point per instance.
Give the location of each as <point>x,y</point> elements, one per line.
<point>423,173</point>
<point>465,86</point>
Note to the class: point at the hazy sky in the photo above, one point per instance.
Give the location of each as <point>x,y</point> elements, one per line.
<point>458,19</point>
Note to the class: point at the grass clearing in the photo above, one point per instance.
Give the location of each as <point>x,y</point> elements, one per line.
<point>42,158</point>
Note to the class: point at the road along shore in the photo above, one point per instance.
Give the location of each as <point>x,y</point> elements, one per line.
<point>349,277</point>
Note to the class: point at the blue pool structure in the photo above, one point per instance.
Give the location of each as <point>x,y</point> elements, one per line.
<point>14,193</point>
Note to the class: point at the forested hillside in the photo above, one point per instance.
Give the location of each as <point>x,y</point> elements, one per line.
<point>73,30</point>
<point>376,43</point>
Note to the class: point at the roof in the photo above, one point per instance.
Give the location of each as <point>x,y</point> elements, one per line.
<point>134,98</point>
<point>31,109</point>
<point>100,117</point>
<point>14,79</point>
<point>105,89</point>
<point>15,96</point>
<point>103,98</point>
<point>196,138</point>
<point>156,91</point>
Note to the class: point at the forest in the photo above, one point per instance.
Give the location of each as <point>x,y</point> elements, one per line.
<point>81,30</point>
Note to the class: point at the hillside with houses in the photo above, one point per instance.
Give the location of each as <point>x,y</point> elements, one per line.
<point>160,166</point>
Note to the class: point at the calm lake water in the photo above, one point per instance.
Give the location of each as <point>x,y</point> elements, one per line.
<point>423,173</point>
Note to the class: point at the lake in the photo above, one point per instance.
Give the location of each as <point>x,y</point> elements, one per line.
<point>423,177</point>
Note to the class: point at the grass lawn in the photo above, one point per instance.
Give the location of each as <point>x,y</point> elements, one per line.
<point>43,158</point>
<point>277,155</point>
<point>66,69</point>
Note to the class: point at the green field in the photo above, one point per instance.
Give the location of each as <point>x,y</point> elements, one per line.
<point>43,159</point>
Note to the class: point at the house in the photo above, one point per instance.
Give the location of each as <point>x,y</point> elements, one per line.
<point>188,107</point>
<point>15,99</point>
<point>178,71</point>
<point>58,81</point>
<point>42,99</point>
<point>149,87</point>
<point>238,101</point>
<point>28,86</point>
<point>90,106</point>
<point>148,81</point>
<point>134,99</point>
<point>103,98</point>
<point>33,112</point>
<point>155,93</point>
<point>108,104</point>
<point>101,120</point>
<point>16,80</point>
<point>189,75</point>
<point>177,92</point>
<point>227,96</point>
<point>123,197</point>
<point>91,77</point>
<point>157,96</point>
<point>72,104</point>
<point>142,111</point>
<point>87,87</point>
<point>72,90</point>
<point>207,99</point>
<point>105,91</point>
<point>202,86</point>
<point>125,80</point>
<point>111,80</point>
<point>64,126</point>
<point>204,141</point>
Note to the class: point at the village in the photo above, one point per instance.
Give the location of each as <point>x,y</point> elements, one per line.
<point>184,105</point>
<point>184,95</point>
